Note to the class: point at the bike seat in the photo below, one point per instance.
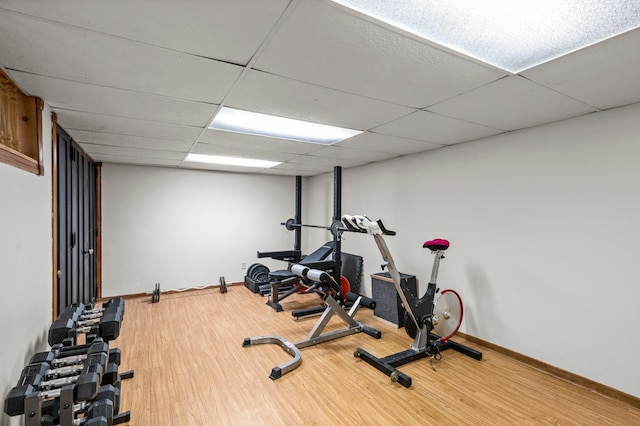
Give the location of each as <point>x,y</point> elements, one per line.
<point>437,244</point>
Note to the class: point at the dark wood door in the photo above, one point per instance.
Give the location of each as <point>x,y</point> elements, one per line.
<point>76,224</point>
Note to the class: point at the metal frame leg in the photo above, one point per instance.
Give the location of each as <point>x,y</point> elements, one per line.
<point>289,347</point>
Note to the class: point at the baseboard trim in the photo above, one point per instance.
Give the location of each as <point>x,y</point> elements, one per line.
<point>558,372</point>
<point>165,292</point>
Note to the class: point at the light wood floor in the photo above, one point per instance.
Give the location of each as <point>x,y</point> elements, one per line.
<point>191,369</point>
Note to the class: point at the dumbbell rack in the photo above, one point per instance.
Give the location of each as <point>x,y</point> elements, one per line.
<point>74,384</point>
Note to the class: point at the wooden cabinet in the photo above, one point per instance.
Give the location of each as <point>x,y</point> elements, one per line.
<point>20,127</point>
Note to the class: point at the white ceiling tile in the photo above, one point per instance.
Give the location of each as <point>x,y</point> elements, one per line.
<point>323,44</point>
<point>219,167</point>
<point>384,143</point>
<point>436,129</point>
<point>275,95</point>
<point>240,140</point>
<point>352,154</point>
<point>287,172</point>
<point>242,152</point>
<point>510,104</point>
<point>111,61</point>
<point>141,161</point>
<point>322,161</point>
<point>604,75</point>
<point>85,137</point>
<point>229,30</point>
<point>132,152</point>
<point>310,168</point>
<point>76,120</point>
<point>69,95</point>
<point>126,71</point>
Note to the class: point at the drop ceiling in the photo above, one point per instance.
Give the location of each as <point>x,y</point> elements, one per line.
<point>138,82</point>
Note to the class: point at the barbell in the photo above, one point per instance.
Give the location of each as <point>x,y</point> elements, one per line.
<point>336,228</point>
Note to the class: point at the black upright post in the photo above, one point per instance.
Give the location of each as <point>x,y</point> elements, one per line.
<point>297,244</point>
<point>337,215</point>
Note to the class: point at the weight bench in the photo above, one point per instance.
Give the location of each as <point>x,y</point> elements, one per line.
<point>351,268</point>
<point>283,278</point>
<point>324,285</point>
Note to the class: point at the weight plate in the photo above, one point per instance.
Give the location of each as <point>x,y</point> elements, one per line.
<point>336,228</point>
<point>261,277</point>
<point>290,224</point>
<point>259,270</point>
<point>345,287</point>
<point>447,314</point>
<point>251,268</point>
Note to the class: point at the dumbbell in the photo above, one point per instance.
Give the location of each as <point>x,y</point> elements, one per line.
<point>48,382</point>
<point>60,355</point>
<point>76,319</point>
<point>110,410</point>
<point>102,411</point>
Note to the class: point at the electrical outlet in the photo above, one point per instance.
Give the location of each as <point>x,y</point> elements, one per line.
<point>243,265</point>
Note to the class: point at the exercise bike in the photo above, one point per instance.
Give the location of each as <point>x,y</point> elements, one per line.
<point>423,315</point>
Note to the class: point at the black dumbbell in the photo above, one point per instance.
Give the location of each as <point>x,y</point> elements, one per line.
<point>85,379</point>
<point>106,408</point>
<point>61,355</point>
<point>76,319</point>
<point>102,411</point>
<point>101,408</point>
<point>109,327</point>
<point>65,322</point>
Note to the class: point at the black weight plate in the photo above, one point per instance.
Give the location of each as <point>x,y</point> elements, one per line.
<point>290,224</point>
<point>260,269</point>
<point>262,278</point>
<point>251,268</point>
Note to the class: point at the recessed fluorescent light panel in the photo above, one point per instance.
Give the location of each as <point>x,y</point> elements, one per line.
<point>510,34</point>
<point>230,161</point>
<point>253,123</point>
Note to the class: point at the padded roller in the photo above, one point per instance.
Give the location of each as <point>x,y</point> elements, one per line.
<point>367,302</point>
<point>318,276</point>
<point>299,270</point>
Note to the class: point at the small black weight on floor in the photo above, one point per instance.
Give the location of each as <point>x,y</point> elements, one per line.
<point>223,285</point>
<point>155,297</point>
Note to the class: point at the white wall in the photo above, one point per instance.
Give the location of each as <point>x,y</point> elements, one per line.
<point>187,228</point>
<point>544,227</point>
<point>25,266</point>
